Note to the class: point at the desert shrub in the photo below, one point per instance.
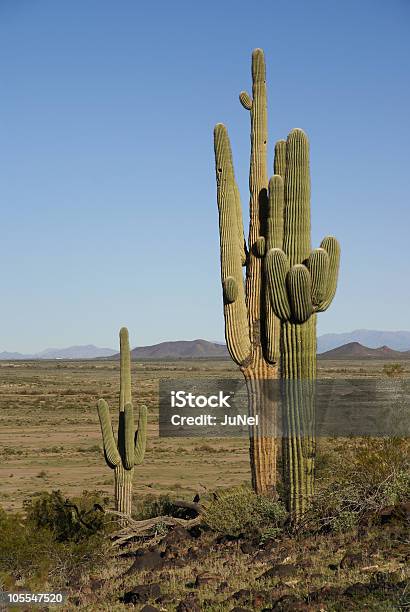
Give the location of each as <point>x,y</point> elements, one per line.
<point>239,511</point>
<point>23,552</point>
<point>150,506</point>
<point>393,369</point>
<point>34,552</point>
<point>377,475</point>
<point>68,520</point>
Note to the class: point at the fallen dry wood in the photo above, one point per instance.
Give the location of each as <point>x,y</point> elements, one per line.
<point>135,528</point>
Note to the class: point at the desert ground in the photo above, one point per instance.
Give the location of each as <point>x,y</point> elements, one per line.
<point>50,434</point>
<point>50,439</point>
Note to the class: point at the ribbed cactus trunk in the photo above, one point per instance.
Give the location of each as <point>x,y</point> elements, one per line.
<point>129,450</point>
<point>123,489</point>
<point>301,282</point>
<point>262,446</point>
<point>298,369</point>
<point>252,334</point>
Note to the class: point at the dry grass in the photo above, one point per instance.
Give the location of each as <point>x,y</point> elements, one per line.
<point>50,439</point>
<point>49,426</point>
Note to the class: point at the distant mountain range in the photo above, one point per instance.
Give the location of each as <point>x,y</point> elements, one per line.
<point>181,349</point>
<point>358,343</point>
<point>397,340</point>
<point>89,351</point>
<point>355,350</point>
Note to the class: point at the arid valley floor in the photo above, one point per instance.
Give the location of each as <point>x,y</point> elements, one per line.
<point>50,435</point>
<point>50,439</point>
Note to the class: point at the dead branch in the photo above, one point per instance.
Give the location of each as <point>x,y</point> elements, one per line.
<point>139,528</point>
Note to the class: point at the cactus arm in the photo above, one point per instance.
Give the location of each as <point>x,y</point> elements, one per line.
<point>241,233</point>
<point>279,163</point>
<point>299,292</point>
<point>125,369</point>
<point>128,459</point>
<point>236,322</point>
<point>112,455</point>
<point>260,246</point>
<point>296,239</point>
<point>245,100</point>
<point>277,268</point>
<point>274,236</point>
<point>318,266</point>
<point>230,289</point>
<point>332,248</point>
<point>140,436</point>
<point>274,222</point>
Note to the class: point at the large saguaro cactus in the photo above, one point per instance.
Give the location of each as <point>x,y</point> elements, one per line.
<point>300,283</point>
<point>251,330</point>
<point>129,450</point>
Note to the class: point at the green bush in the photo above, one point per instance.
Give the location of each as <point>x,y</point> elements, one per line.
<point>50,546</point>
<point>239,511</point>
<point>150,506</point>
<point>378,475</point>
<point>69,520</point>
<point>24,552</point>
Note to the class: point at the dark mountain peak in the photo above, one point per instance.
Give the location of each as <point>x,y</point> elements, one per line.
<point>355,350</point>
<point>180,349</point>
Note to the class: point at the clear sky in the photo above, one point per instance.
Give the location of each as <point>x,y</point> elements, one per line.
<point>107,188</point>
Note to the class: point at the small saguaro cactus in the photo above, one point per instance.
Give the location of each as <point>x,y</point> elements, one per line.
<point>251,330</point>
<point>122,456</point>
<point>300,283</point>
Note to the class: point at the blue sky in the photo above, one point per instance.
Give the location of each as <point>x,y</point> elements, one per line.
<point>107,189</point>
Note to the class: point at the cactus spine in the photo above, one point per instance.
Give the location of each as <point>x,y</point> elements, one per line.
<point>300,283</point>
<point>251,330</point>
<point>129,450</point>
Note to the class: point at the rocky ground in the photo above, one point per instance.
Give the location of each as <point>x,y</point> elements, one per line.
<point>194,570</point>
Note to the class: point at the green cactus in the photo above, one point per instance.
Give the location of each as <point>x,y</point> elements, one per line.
<point>300,283</point>
<point>130,447</point>
<point>252,331</point>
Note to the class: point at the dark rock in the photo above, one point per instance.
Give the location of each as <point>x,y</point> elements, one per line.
<point>243,594</point>
<point>148,608</point>
<point>222,587</point>
<point>357,590</point>
<point>146,560</point>
<point>96,584</point>
<point>289,603</point>
<point>206,578</point>
<point>227,539</point>
<point>192,553</point>
<point>324,593</point>
<point>389,516</point>
<point>171,552</point>
<point>247,548</point>
<point>142,593</point>
<point>280,571</point>
<point>189,604</point>
<point>176,563</point>
<point>258,599</point>
<point>333,566</point>
<point>351,559</point>
<point>264,555</point>
<point>382,579</point>
<point>195,532</point>
<point>178,535</point>
<point>164,599</point>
